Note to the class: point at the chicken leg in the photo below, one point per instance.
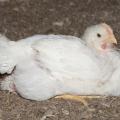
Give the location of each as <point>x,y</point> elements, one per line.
<point>78,98</point>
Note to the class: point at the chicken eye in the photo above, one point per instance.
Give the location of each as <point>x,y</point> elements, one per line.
<point>98,35</point>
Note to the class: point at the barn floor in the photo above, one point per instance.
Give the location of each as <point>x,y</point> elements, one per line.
<point>22,18</point>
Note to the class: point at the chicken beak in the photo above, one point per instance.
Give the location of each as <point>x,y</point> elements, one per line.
<point>111,40</point>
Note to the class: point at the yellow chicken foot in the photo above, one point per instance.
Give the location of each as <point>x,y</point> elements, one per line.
<point>78,98</point>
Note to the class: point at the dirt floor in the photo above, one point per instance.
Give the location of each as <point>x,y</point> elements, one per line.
<point>22,18</point>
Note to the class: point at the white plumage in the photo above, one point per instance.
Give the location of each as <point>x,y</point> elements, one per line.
<point>50,65</point>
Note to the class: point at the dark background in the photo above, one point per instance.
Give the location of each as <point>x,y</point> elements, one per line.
<point>23,18</point>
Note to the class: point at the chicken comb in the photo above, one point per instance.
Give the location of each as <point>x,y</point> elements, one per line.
<point>107,27</point>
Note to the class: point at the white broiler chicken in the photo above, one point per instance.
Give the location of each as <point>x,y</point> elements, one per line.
<point>50,65</point>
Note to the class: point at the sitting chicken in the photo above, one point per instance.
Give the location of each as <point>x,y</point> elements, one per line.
<point>44,66</point>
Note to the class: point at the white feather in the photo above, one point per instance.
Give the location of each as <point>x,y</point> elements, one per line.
<point>50,65</point>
